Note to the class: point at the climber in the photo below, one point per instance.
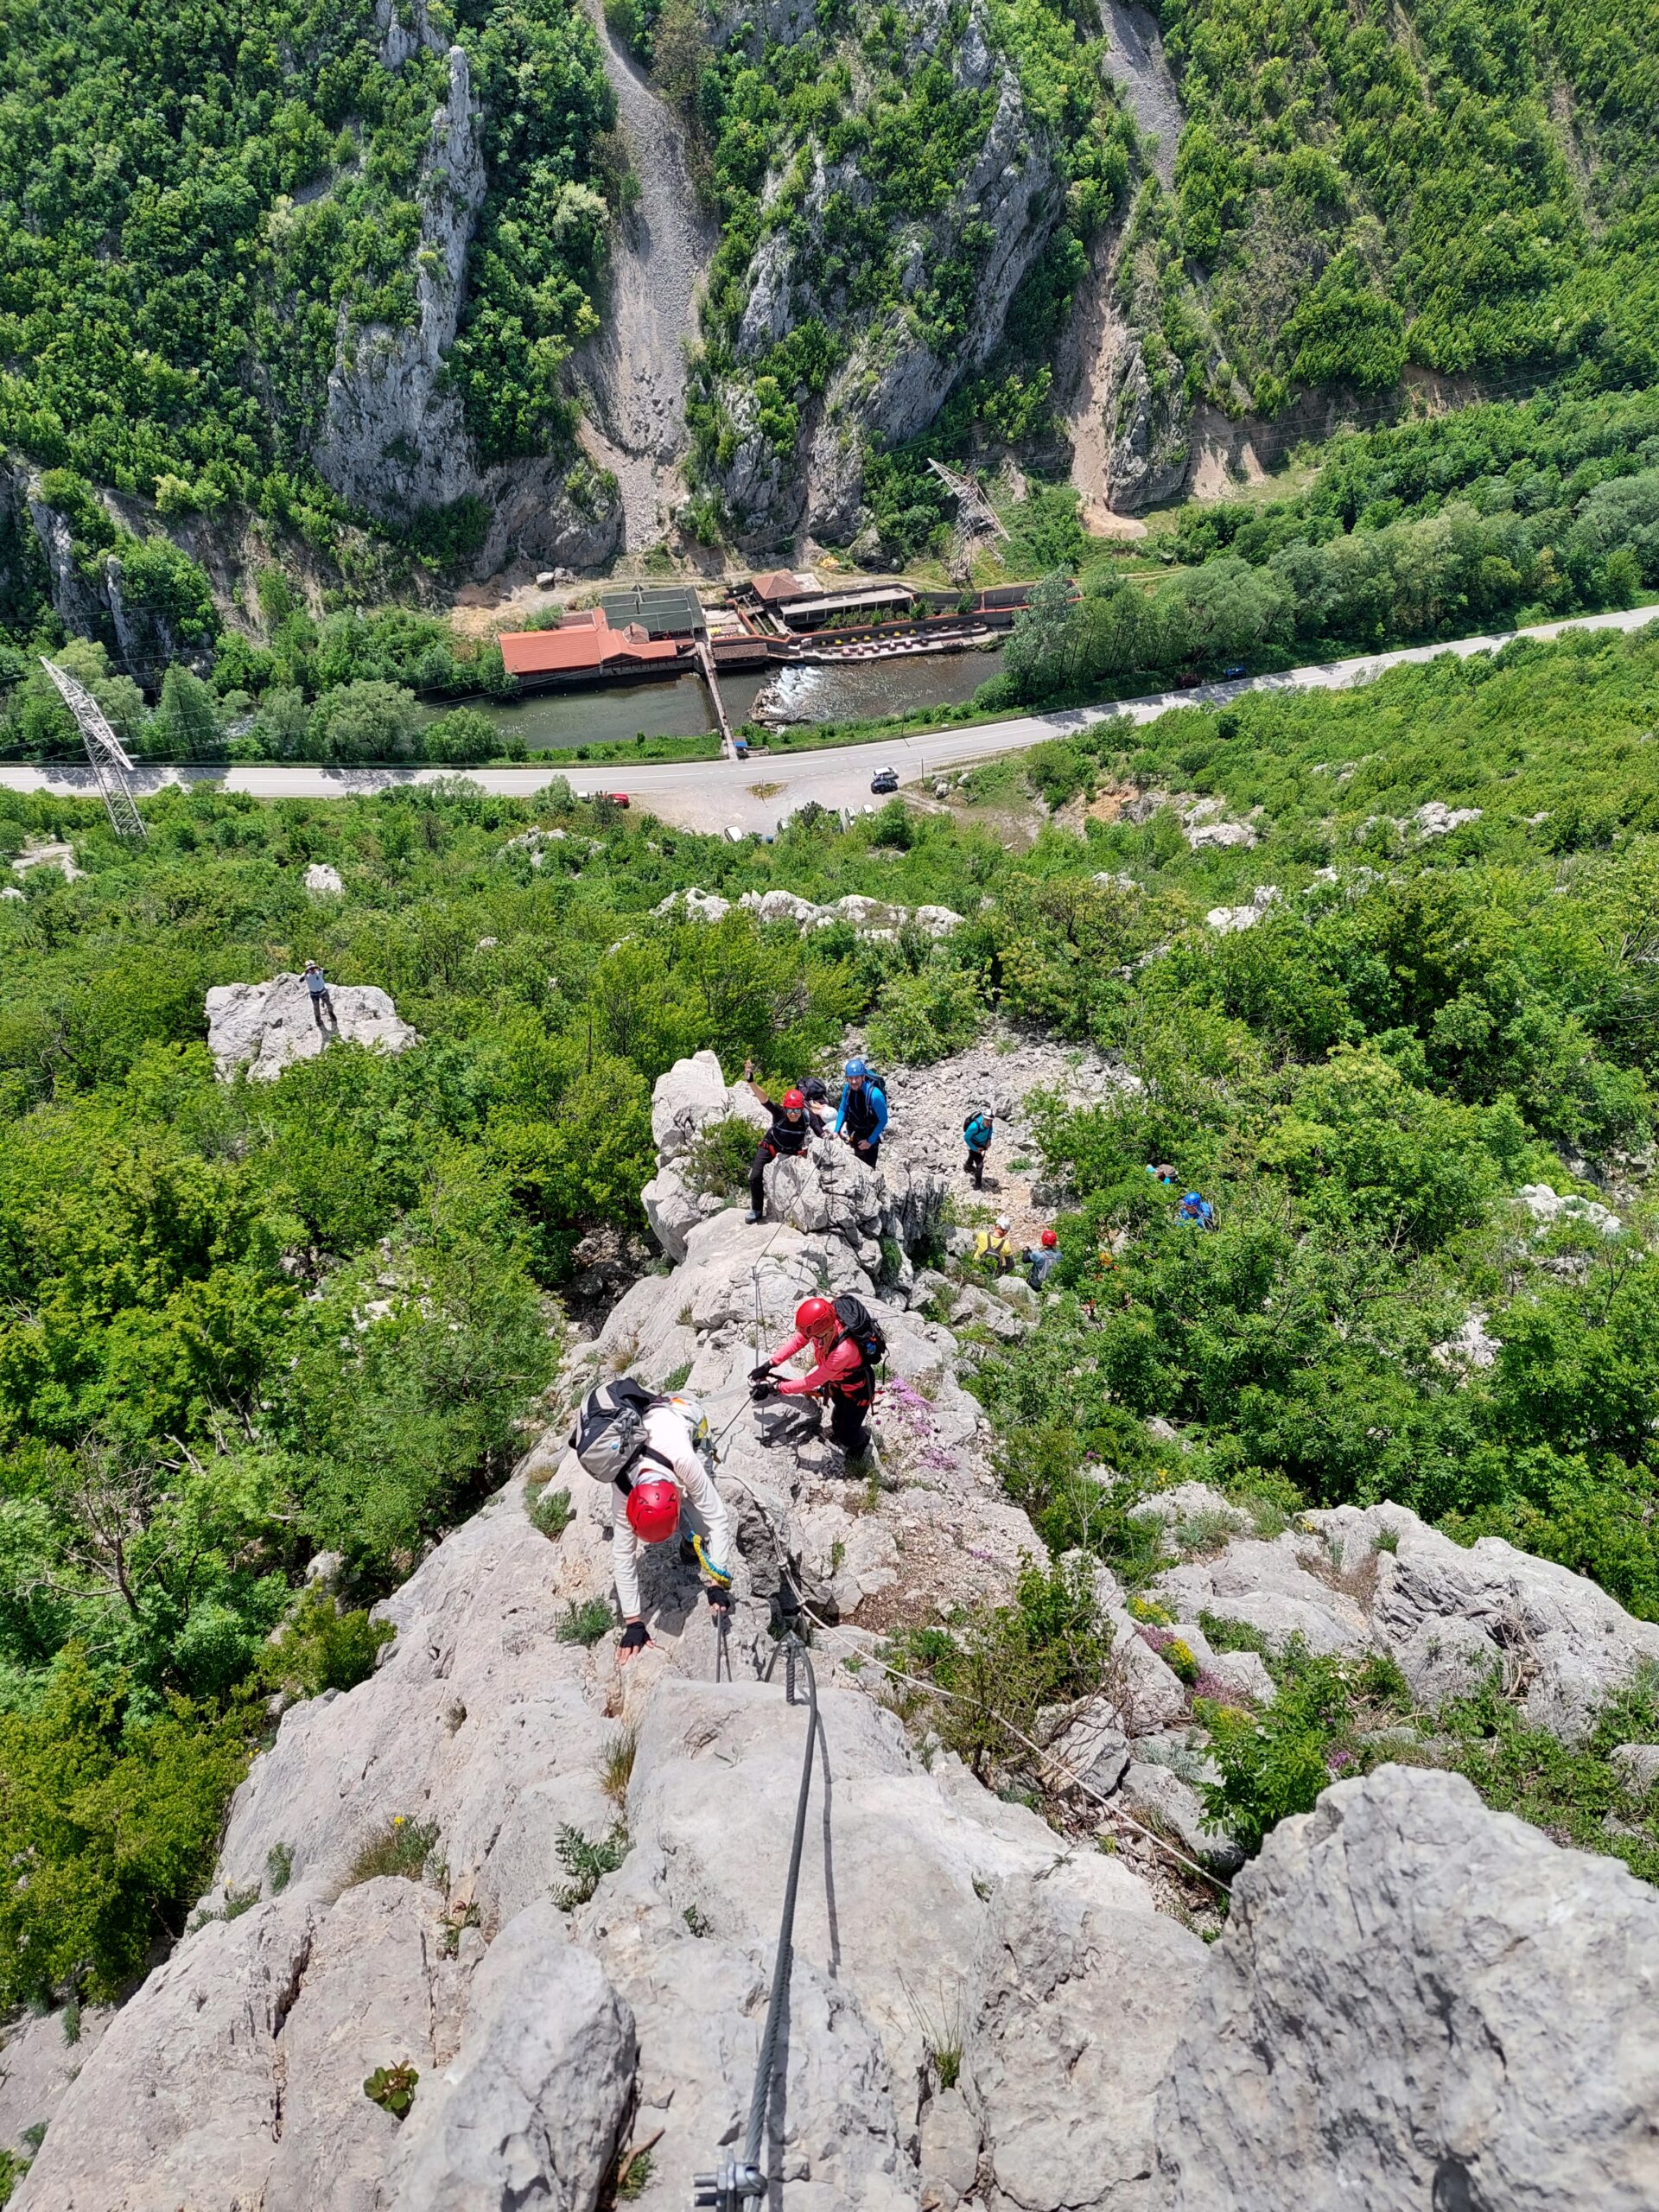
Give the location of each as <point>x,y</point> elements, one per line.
<point>976,1132</point>
<point>654,1451</point>
<point>863,1117</point>
<point>1197,1209</point>
<point>317,984</point>
<point>793,1127</point>
<point>1164,1173</point>
<point>993,1248</point>
<point>1041,1259</point>
<point>847,1346</point>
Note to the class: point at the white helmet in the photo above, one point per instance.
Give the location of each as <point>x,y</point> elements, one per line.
<point>1004,1224</point>
<point>694,1417</point>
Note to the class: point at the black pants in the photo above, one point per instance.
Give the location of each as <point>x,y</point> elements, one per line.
<point>757,1179</point>
<point>322,1004</point>
<point>976,1167</point>
<point>868,1154</point>
<point>849,1425</point>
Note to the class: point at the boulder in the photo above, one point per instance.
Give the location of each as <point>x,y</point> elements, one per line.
<point>1169,1803</point>
<point>1267,1586</point>
<point>1637,1766</point>
<point>1562,1642</point>
<point>1547,1207</point>
<point>322,881</point>
<point>689,1094</point>
<point>938,921</point>
<point>529,2110</point>
<point>1081,1996</point>
<point>1437,819</point>
<point>1416,2002</point>
<point>267,1027</point>
<point>1225,837</point>
<point>673,1209</point>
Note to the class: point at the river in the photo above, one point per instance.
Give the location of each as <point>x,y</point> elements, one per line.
<point>847,692</point>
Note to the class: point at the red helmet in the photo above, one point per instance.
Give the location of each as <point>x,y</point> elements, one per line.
<point>794,1102</point>
<point>814,1317</point>
<point>654,1510</point>
<point>1050,1240</point>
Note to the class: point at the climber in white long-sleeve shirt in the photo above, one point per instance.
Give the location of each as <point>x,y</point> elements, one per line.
<point>668,1491</point>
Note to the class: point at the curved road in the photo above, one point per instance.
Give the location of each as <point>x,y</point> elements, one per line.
<point>757,794</point>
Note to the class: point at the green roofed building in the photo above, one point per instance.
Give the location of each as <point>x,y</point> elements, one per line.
<point>663,610</point>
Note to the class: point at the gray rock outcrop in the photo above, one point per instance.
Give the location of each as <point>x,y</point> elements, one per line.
<point>1419,2003</point>
<point>265,1028</point>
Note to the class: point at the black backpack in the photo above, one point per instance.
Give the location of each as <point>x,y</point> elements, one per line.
<point>609,1435</point>
<point>860,1327</point>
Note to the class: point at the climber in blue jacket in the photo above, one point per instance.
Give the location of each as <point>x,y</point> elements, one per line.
<point>862,1117</point>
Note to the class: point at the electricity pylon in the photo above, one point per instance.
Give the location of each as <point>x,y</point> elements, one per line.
<point>104,750</point>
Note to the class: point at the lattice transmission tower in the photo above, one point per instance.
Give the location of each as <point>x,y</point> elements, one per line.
<point>106,752</point>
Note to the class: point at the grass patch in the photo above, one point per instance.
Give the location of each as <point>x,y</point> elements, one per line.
<point>616,1770</point>
<point>402,1847</point>
<point>585,1624</point>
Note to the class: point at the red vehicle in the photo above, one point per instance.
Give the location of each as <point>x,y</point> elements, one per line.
<point>617,798</point>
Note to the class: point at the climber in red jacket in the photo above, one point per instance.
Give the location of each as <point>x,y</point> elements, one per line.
<point>842,1372</point>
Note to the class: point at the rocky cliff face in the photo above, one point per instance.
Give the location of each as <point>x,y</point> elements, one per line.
<point>1413,2002</point>
<point>393,437</point>
<point>892,381</point>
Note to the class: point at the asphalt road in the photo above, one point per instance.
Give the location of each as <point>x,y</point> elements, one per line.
<point>756,794</point>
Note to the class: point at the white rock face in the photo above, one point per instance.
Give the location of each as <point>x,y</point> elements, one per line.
<point>1417,2002</point>
<point>1540,1623</point>
<point>1226,919</point>
<point>1439,820</point>
<point>871,917</point>
<point>322,881</point>
<point>267,1027</point>
<point>1547,1207</point>
<point>1226,837</point>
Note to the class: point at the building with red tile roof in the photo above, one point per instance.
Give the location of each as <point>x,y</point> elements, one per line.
<point>583,645</point>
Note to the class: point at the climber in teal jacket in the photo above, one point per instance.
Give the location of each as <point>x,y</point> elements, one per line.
<point>863,1117</point>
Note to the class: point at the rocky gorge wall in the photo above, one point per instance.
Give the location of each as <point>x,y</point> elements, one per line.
<point>1415,2002</point>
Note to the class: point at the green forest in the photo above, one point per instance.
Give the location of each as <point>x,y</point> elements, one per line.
<point>240,1324</point>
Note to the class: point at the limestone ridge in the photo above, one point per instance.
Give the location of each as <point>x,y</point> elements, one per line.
<point>265,1028</point>
<point>1414,2000</point>
<point>393,437</point>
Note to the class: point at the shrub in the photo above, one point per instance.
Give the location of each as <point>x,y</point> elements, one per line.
<point>323,1649</point>
<point>1277,1762</point>
<point>720,1154</point>
<point>552,1513</point>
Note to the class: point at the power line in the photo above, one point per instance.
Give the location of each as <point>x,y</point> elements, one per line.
<point>104,751</point>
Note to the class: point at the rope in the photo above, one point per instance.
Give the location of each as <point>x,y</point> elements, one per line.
<point>726,2188</point>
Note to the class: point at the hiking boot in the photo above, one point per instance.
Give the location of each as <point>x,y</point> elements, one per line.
<point>752,1215</point>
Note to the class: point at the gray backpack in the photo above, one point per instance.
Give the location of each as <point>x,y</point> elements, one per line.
<point>610,1430</point>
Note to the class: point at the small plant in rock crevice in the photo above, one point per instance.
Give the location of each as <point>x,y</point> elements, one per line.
<point>698,1922</point>
<point>279,1866</point>
<point>585,1624</point>
<point>587,1862</point>
<point>392,2088</point>
<point>552,1513</point>
<point>402,1847</point>
<point>616,1770</point>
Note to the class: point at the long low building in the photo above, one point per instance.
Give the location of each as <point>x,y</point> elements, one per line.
<point>584,645</point>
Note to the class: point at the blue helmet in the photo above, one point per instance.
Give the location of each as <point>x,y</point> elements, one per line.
<point>855,1069</point>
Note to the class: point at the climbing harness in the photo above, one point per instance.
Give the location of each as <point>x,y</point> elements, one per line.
<point>735,2180</point>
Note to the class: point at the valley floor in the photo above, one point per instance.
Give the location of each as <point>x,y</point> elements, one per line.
<point>759,794</point>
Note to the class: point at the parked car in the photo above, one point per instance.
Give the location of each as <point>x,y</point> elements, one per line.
<point>885,780</point>
<point>618,798</point>
<point>1237,669</point>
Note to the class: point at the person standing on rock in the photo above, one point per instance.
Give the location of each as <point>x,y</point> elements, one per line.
<point>863,1117</point>
<point>322,1006</point>
<point>977,1133</point>
<point>793,1127</point>
<point>846,1345</point>
<point>649,1449</point>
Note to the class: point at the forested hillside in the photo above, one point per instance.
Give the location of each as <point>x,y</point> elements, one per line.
<point>325,278</point>
<point>241,1323</point>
